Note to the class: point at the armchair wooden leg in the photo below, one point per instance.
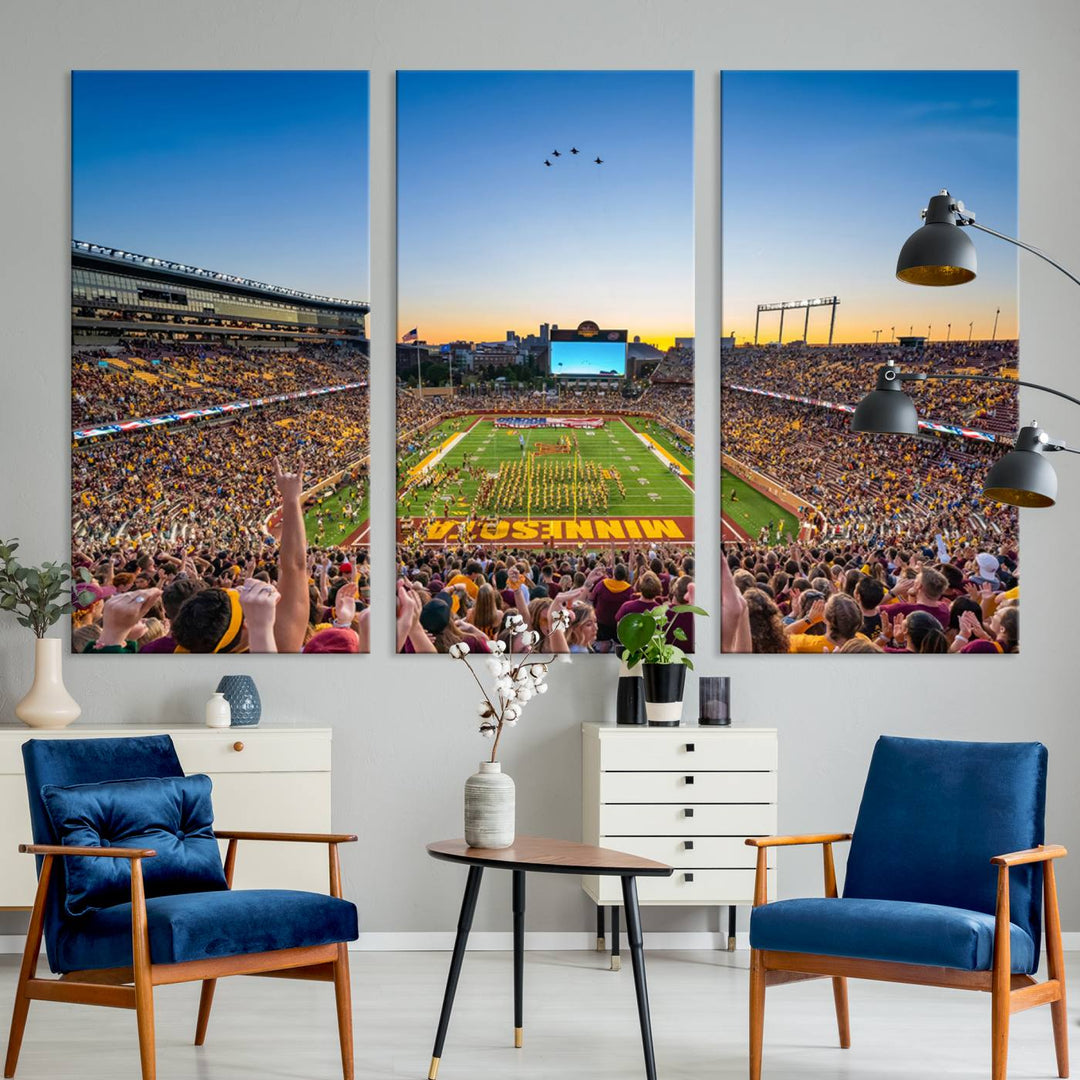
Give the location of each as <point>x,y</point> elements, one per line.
<point>206,1000</point>
<point>144,987</point>
<point>28,969</point>
<point>343,993</point>
<point>1055,968</point>
<point>1001,981</point>
<point>757,1011</point>
<point>843,1025</point>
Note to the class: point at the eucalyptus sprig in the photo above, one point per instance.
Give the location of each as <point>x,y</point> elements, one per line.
<point>37,595</point>
<point>644,635</point>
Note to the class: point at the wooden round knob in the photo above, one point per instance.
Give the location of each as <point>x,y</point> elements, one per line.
<point>238,746</point>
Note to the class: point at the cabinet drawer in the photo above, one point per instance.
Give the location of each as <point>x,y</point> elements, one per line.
<point>687,787</point>
<point>262,751</point>
<point>670,819</point>
<point>689,749</point>
<point>706,853</point>
<point>709,888</point>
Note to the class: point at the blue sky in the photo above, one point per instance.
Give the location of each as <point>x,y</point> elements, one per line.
<point>588,357</point>
<point>824,176</point>
<point>258,173</point>
<point>490,239</point>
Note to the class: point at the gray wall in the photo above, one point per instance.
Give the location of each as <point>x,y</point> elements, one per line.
<point>403,727</point>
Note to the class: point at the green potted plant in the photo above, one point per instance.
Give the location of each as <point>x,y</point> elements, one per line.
<point>648,638</point>
<point>38,596</point>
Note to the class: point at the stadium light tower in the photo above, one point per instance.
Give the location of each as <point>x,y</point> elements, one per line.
<point>1021,477</point>
<point>877,336</point>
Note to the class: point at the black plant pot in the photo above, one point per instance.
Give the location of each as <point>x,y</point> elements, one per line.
<point>630,699</point>
<point>664,684</point>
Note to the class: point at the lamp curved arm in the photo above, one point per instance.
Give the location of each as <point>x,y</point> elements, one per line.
<point>965,220</point>
<point>920,376</point>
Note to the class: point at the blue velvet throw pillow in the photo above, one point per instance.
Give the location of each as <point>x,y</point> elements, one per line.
<point>172,815</point>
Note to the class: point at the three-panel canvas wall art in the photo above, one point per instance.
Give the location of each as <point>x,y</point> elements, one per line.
<point>544,359</point>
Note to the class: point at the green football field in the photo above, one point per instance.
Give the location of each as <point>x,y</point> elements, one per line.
<point>751,510</point>
<point>336,527</point>
<point>651,488</point>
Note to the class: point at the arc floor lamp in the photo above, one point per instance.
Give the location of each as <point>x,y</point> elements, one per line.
<point>939,253</point>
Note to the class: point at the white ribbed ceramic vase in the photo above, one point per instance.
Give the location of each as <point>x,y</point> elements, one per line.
<point>218,711</point>
<point>489,807</point>
<point>48,704</point>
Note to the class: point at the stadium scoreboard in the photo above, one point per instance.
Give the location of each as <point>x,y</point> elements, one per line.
<point>588,352</point>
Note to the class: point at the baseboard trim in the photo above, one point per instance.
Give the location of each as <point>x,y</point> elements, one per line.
<point>537,941</point>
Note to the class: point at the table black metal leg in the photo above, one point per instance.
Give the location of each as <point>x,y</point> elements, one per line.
<point>519,954</point>
<point>600,944</point>
<point>637,958</point>
<point>731,911</point>
<point>468,908</point>
<point>616,958</point>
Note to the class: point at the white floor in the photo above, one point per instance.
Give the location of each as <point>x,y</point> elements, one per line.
<point>580,1021</point>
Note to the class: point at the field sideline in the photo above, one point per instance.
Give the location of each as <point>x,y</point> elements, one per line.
<point>752,510</point>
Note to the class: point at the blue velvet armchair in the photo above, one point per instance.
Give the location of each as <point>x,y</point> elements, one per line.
<point>132,892</point>
<point>945,875</point>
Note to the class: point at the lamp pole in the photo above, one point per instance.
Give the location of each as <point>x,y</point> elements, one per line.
<point>892,332</point>
<point>971,328</point>
<point>948,331</point>
<point>993,336</point>
<point>877,336</point>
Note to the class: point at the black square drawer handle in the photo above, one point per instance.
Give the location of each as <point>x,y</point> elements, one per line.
<point>688,779</point>
<point>688,845</point>
<point>689,878</point>
<point>688,812</point>
<point>689,747</point>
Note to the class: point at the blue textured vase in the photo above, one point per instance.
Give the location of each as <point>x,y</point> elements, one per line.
<point>243,699</point>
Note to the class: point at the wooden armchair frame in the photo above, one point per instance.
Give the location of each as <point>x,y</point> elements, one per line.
<point>1009,993</point>
<point>133,987</point>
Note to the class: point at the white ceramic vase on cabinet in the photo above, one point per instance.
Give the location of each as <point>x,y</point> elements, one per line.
<point>48,704</point>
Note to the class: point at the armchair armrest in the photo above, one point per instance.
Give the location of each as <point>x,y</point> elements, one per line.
<point>1042,853</point>
<point>763,843</point>
<point>793,841</point>
<point>331,839</point>
<point>300,838</point>
<point>100,852</point>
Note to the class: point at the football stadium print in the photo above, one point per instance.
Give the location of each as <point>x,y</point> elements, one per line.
<point>219,368</point>
<point>545,365</point>
<point>835,541</point>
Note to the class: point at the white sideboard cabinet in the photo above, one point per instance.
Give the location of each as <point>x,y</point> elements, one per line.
<point>272,779</point>
<point>686,796</point>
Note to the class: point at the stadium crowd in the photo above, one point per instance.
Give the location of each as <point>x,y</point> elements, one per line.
<point>473,594</point>
<point>865,597</point>
<point>197,592</point>
<point>137,379</point>
<point>868,487</point>
<point>844,373</point>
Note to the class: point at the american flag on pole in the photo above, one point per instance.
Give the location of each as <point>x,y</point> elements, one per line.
<point>410,336</point>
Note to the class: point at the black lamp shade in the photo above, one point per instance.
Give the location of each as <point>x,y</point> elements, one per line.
<point>940,252</point>
<point>886,412</point>
<point>1023,476</point>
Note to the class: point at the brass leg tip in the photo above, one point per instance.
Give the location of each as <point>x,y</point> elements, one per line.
<point>616,963</point>
<point>601,946</point>
<point>731,944</point>
<point>517,1038</point>
<point>433,1072</point>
